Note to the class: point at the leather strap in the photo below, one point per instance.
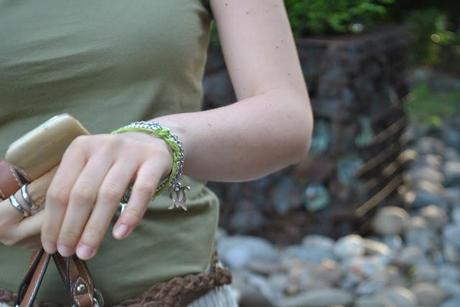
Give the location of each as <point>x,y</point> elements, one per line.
<point>77,279</point>
<point>29,287</point>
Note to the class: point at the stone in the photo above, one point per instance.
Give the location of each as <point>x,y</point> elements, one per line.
<point>286,196</point>
<point>435,216</point>
<point>347,169</point>
<point>319,298</point>
<point>394,242</point>
<point>372,301</point>
<point>349,246</point>
<point>425,173</point>
<point>398,297</point>
<point>316,248</point>
<point>451,287</point>
<point>253,289</point>
<point>427,193</point>
<point>310,255</point>
<point>452,302</point>
<point>371,286</point>
<point>419,234</point>
<point>329,271</point>
<point>411,255</point>
<point>316,197</point>
<point>452,172</point>
<point>451,235</point>
<point>321,137</point>
<point>425,272</point>
<point>373,247</point>
<point>246,220</point>
<point>456,215</point>
<point>430,145</point>
<point>390,221</point>
<point>365,266</point>
<point>428,294</point>
<point>238,251</point>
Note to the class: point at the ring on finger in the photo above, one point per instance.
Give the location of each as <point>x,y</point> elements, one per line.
<point>33,208</point>
<point>16,205</point>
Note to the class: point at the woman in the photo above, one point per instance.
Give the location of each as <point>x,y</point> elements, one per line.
<point>111,62</point>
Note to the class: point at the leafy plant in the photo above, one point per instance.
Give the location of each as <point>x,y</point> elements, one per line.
<point>431,34</point>
<point>338,16</point>
<point>432,107</point>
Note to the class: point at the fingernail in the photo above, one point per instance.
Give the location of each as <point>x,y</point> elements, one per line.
<point>84,251</point>
<point>50,248</point>
<point>65,250</point>
<point>121,231</point>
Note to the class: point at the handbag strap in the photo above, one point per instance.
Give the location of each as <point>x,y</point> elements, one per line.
<point>78,281</point>
<point>29,287</point>
<point>73,271</point>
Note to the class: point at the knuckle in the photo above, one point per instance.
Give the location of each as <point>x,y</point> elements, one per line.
<point>145,187</point>
<point>56,197</point>
<point>82,194</point>
<point>111,192</point>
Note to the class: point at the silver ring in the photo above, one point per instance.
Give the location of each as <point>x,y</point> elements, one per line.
<point>16,205</point>
<point>33,208</point>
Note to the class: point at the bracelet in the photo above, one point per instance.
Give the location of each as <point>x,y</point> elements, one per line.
<point>177,190</point>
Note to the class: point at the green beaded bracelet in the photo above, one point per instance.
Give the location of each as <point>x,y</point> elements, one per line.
<point>177,193</point>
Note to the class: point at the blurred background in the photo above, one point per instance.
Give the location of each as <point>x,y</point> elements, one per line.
<point>372,216</point>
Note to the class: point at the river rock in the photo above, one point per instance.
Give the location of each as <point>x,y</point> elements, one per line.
<point>390,221</point>
<point>452,171</point>
<point>372,301</point>
<point>451,235</point>
<point>238,251</point>
<point>419,234</point>
<point>428,294</point>
<point>411,255</point>
<point>373,247</point>
<point>314,248</point>
<point>453,302</point>
<point>435,216</point>
<point>425,272</point>
<point>318,298</point>
<point>349,246</point>
<point>398,297</point>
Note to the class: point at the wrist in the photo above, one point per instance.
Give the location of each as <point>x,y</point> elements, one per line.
<point>172,182</point>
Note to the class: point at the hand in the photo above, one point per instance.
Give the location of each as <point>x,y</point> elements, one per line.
<point>90,181</point>
<point>15,230</point>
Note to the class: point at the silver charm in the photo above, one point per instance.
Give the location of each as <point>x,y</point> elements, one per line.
<point>178,196</point>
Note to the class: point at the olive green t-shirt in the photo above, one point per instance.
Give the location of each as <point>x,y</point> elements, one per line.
<point>108,63</point>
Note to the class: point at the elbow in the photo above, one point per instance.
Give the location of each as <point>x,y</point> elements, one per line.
<point>304,135</point>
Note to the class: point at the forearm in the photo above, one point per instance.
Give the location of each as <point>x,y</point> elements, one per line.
<point>245,140</point>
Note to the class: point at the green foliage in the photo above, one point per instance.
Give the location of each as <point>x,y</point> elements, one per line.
<point>431,107</point>
<point>338,16</point>
<point>432,36</point>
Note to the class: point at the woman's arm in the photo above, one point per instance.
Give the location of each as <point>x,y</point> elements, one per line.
<point>271,124</point>
<point>269,128</point>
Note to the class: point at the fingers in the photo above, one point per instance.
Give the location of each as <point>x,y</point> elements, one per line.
<point>57,196</point>
<point>81,203</point>
<point>37,190</point>
<point>143,189</point>
<point>108,200</point>
<point>24,234</point>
